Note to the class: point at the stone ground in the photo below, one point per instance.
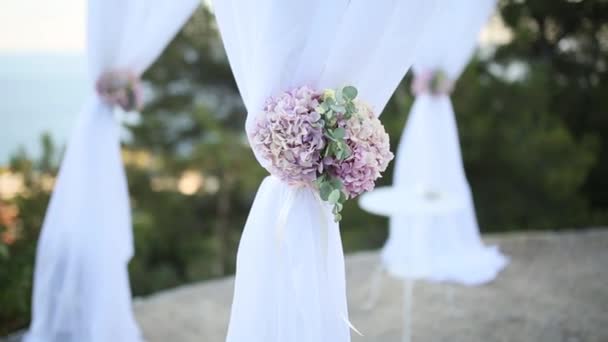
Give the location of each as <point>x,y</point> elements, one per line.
<point>554,290</point>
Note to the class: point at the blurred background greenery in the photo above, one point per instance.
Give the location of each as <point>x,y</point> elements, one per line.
<point>532,120</point>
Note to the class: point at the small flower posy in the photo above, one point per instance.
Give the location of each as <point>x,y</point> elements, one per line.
<point>432,82</point>
<point>120,88</point>
<point>329,141</point>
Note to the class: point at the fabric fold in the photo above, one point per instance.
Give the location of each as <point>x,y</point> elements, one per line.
<point>81,283</point>
<point>273,46</point>
<point>445,246</point>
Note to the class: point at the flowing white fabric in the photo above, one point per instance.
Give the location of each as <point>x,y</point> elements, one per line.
<point>81,284</point>
<point>444,247</point>
<point>294,290</point>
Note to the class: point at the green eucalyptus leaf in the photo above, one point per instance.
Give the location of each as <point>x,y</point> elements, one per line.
<point>338,108</point>
<point>317,182</point>
<point>334,196</point>
<point>351,108</point>
<point>336,183</point>
<point>349,92</point>
<point>325,190</point>
<point>337,217</point>
<point>339,96</point>
<point>339,133</point>
<point>347,151</point>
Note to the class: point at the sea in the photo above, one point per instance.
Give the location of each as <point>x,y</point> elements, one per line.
<point>39,93</point>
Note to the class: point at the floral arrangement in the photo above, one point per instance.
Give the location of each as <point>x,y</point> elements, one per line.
<point>326,140</point>
<point>120,88</point>
<point>432,82</point>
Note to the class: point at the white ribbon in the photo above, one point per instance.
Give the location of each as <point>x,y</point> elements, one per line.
<point>323,233</point>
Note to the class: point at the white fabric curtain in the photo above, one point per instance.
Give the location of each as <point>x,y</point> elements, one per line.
<point>81,284</point>
<point>444,247</point>
<point>294,289</point>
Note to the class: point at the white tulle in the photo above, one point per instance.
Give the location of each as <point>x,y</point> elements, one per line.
<point>81,284</point>
<point>290,290</point>
<point>442,247</point>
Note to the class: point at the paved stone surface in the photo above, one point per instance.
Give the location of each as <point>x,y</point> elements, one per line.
<point>554,290</point>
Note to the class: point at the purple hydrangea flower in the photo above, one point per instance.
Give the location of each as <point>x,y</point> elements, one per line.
<point>292,136</point>
<point>120,88</point>
<point>289,135</point>
<point>370,147</point>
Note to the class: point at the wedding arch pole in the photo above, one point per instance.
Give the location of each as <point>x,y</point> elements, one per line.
<point>286,55</point>
<point>81,285</point>
<point>448,246</point>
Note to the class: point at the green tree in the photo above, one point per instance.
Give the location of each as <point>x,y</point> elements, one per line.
<point>525,167</point>
<point>567,42</point>
<point>194,122</point>
<point>21,217</point>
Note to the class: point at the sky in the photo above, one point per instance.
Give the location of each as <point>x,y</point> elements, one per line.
<point>47,26</point>
<point>42,68</point>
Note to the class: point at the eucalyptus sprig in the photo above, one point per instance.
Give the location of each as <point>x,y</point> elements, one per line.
<point>331,190</point>
<point>335,105</point>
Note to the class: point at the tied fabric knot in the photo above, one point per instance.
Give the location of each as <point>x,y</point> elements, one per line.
<point>120,88</point>
<point>294,187</point>
<point>435,83</point>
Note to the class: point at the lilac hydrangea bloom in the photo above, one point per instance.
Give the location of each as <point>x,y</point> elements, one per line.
<point>370,147</point>
<point>328,140</point>
<point>120,88</point>
<point>289,135</point>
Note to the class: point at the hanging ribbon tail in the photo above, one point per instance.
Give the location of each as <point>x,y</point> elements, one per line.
<point>331,255</point>
<point>86,240</point>
<point>336,274</point>
<point>326,222</point>
<point>351,326</point>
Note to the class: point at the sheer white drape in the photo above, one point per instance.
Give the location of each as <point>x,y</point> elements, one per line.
<point>81,284</point>
<point>294,290</point>
<point>445,247</point>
